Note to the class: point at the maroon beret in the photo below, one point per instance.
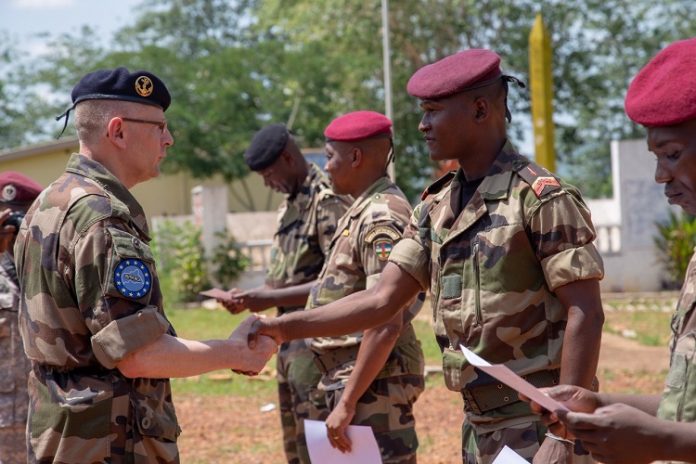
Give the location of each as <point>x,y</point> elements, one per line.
<point>465,70</point>
<point>358,125</point>
<point>663,93</point>
<point>17,188</point>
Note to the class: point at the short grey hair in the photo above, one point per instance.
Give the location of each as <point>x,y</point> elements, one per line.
<point>92,116</point>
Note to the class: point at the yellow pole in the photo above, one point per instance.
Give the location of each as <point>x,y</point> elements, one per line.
<point>541,86</point>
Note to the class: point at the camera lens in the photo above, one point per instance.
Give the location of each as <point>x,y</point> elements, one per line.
<point>14,219</point>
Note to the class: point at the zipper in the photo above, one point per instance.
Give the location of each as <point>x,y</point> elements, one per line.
<point>477,284</point>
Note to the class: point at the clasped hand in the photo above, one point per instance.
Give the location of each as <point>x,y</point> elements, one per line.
<point>250,360</point>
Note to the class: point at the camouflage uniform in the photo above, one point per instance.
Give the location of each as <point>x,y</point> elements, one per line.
<point>678,401</point>
<point>359,251</point>
<point>90,296</point>
<point>306,223</point>
<point>15,369</point>
<point>492,265</point>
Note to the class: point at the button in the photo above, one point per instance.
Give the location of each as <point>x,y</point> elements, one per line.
<point>500,386</point>
<point>506,398</point>
<point>146,423</point>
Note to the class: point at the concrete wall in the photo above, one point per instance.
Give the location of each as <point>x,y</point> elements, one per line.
<point>629,218</point>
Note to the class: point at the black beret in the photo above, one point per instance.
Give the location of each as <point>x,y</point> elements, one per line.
<point>120,84</point>
<point>266,146</point>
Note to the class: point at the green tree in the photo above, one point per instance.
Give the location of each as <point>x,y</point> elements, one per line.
<point>598,46</point>
<point>234,66</point>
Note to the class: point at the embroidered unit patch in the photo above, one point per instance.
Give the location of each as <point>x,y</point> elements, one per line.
<point>383,248</point>
<point>132,278</point>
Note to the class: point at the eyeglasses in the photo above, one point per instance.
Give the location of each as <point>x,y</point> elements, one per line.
<point>161,124</point>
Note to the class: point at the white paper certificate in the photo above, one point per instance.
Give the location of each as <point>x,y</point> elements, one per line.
<point>508,456</point>
<point>364,449</point>
<point>512,380</point>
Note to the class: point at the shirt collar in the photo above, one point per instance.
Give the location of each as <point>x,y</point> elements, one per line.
<point>87,167</point>
<point>303,197</point>
<point>380,185</point>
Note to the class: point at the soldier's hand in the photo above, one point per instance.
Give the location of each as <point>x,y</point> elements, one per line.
<point>571,396</point>
<point>7,233</point>
<point>263,327</point>
<point>256,300</point>
<point>337,424</point>
<point>232,303</point>
<point>619,433</point>
<point>251,361</point>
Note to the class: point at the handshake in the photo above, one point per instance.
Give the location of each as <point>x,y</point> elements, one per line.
<point>252,350</point>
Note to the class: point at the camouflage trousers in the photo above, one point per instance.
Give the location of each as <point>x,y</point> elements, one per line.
<point>387,407</point>
<point>524,438</point>
<point>13,444</point>
<point>299,397</point>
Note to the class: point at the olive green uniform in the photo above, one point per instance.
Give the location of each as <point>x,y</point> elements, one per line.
<point>90,297</point>
<point>492,263</point>
<point>306,222</point>
<point>360,249</point>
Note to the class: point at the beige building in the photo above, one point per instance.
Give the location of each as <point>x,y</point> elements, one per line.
<point>167,195</point>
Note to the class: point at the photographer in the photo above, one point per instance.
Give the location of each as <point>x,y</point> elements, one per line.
<point>17,192</point>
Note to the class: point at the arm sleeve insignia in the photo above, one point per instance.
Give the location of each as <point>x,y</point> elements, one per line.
<point>132,278</point>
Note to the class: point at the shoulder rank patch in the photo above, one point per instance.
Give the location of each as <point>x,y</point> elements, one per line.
<point>382,230</point>
<point>541,180</point>
<point>383,247</point>
<point>132,278</point>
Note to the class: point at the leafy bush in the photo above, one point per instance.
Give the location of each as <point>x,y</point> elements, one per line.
<point>180,259</point>
<point>227,261</point>
<point>182,265</point>
<point>675,243</point>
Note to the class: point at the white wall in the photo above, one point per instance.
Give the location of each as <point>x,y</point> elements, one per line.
<point>638,203</point>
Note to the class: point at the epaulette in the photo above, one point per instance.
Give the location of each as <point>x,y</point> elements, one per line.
<point>539,178</point>
<point>437,185</point>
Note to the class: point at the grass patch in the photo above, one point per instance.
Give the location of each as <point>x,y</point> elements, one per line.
<point>650,328</point>
<point>426,335</point>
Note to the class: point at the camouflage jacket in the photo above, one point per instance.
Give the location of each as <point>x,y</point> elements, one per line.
<point>14,364</point>
<point>306,223</point>
<point>91,296</point>
<point>492,265</point>
<point>360,249</point>
<point>678,401</point>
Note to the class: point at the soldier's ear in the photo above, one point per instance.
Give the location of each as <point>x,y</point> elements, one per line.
<point>114,132</point>
<point>357,157</point>
<point>287,157</point>
<point>481,109</point>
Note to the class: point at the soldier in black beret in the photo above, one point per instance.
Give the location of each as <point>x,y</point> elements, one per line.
<point>307,222</point>
<point>92,320</point>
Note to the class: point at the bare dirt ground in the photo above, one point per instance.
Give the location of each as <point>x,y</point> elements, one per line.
<point>234,430</point>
